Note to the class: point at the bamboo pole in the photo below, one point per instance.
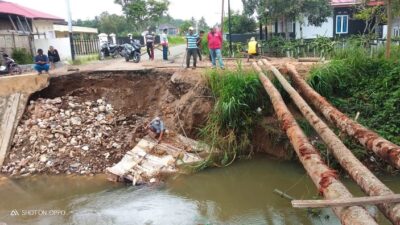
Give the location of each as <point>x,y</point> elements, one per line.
<point>323,177</point>
<point>367,138</point>
<point>363,177</point>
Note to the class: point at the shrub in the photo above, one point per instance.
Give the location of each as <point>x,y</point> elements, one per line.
<point>22,56</point>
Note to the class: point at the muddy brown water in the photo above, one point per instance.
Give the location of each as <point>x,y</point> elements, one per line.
<point>239,194</point>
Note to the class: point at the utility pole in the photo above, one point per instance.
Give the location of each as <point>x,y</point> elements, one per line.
<point>389,28</point>
<point>71,36</point>
<point>230,27</point>
<point>222,16</point>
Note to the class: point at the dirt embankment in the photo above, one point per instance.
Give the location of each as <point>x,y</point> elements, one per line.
<point>83,123</point>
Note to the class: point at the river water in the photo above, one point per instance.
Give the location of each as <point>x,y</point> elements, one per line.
<point>239,194</point>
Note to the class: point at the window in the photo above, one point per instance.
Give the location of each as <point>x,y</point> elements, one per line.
<point>342,23</point>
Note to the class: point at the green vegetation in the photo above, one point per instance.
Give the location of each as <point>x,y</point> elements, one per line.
<point>238,95</point>
<point>176,40</point>
<point>81,60</point>
<point>356,81</point>
<point>22,56</point>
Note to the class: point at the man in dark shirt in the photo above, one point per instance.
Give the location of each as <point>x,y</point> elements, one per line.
<point>42,62</point>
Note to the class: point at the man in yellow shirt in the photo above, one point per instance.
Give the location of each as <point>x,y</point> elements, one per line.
<point>252,48</point>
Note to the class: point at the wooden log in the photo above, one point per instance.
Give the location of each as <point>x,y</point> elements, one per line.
<point>283,195</point>
<point>367,138</point>
<point>323,177</point>
<point>360,201</point>
<point>368,182</point>
<point>309,59</point>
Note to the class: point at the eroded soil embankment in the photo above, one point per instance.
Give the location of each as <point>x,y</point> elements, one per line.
<point>83,123</point>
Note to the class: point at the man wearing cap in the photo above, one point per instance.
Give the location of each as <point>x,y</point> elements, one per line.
<point>157,127</point>
<point>191,45</point>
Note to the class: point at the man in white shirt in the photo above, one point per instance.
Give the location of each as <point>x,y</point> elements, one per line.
<point>164,43</point>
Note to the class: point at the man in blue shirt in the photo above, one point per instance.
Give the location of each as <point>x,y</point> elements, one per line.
<point>191,44</point>
<point>157,127</point>
<point>42,62</point>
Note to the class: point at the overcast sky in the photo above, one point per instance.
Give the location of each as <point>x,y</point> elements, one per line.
<point>84,9</point>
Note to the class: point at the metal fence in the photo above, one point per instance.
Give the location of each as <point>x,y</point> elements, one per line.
<point>86,46</point>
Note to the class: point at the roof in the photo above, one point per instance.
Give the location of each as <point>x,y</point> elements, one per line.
<point>15,9</point>
<point>344,2</point>
<point>354,2</point>
<point>76,29</point>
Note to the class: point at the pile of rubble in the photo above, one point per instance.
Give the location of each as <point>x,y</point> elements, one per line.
<point>69,135</point>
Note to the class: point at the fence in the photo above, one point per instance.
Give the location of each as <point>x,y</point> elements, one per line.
<point>86,46</point>
<point>11,41</point>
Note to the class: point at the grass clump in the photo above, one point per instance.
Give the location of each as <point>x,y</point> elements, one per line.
<point>22,56</point>
<point>176,40</point>
<point>356,81</point>
<point>81,60</point>
<point>238,96</point>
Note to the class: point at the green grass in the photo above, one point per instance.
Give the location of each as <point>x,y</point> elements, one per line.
<point>176,40</point>
<point>81,60</point>
<point>238,94</point>
<point>354,81</point>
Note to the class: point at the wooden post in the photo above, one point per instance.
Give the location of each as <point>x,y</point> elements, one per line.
<point>361,201</point>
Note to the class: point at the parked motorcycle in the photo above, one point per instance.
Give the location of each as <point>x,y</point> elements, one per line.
<point>132,51</point>
<point>107,49</point>
<point>10,66</point>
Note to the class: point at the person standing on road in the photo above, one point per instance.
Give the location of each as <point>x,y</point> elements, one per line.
<point>150,44</point>
<point>54,57</point>
<point>164,43</point>
<point>215,44</point>
<point>199,44</point>
<point>41,62</point>
<point>191,45</point>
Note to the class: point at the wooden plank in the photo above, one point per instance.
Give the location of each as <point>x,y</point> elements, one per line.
<point>360,201</point>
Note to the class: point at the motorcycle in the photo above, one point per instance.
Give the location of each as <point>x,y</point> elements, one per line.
<point>132,51</point>
<point>107,49</point>
<point>11,67</point>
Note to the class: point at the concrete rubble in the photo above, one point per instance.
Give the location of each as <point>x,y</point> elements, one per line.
<point>70,135</point>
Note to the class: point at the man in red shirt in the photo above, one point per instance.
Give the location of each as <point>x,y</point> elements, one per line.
<point>215,44</point>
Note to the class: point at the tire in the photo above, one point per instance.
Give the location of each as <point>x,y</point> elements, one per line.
<point>136,57</point>
<point>15,70</point>
<point>102,55</point>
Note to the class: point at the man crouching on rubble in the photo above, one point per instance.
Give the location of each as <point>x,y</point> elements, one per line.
<point>157,127</point>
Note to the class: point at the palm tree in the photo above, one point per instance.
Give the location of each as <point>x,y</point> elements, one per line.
<point>323,177</point>
<point>367,138</point>
<point>368,182</point>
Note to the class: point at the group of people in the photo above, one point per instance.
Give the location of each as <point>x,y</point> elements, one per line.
<point>149,38</point>
<point>194,46</point>
<point>45,62</point>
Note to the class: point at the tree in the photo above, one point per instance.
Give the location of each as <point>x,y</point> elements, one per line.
<point>372,15</point>
<point>392,9</point>
<point>184,27</point>
<point>240,23</point>
<point>112,23</point>
<point>142,13</point>
<point>324,178</point>
<point>202,24</point>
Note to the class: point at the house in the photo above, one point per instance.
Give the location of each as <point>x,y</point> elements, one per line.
<point>62,31</point>
<point>341,24</point>
<point>172,30</point>
<point>17,18</point>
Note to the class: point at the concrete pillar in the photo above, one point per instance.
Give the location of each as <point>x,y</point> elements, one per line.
<point>113,37</point>
<point>103,38</point>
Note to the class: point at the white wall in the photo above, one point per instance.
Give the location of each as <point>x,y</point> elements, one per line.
<point>309,31</point>
<point>61,44</point>
<point>44,26</point>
